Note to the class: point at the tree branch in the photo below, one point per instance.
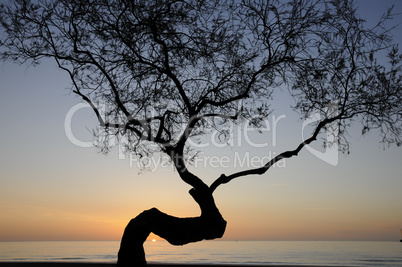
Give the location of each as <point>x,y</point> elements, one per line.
<point>168,70</point>
<point>177,158</point>
<point>223,179</point>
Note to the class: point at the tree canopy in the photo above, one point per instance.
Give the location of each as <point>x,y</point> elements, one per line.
<point>172,70</point>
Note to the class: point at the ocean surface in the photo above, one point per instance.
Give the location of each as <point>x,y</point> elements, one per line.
<point>320,253</point>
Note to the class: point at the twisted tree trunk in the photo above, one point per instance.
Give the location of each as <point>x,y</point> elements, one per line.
<point>177,231</point>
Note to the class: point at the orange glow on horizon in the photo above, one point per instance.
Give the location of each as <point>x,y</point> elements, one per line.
<point>152,237</point>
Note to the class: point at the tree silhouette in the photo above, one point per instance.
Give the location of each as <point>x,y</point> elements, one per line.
<point>173,70</point>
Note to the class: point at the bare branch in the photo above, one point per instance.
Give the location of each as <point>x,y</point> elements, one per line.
<point>223,179</point>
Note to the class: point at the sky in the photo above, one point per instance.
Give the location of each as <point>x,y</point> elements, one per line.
<point>53,188</point>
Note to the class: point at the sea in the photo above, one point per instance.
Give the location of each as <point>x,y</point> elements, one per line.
<point>317,253</point>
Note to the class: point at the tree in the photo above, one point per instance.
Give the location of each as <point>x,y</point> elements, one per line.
<point>170,71</point>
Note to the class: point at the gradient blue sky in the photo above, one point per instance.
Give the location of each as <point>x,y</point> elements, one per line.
<point>51,189</point>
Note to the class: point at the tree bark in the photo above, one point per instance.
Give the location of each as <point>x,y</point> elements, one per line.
<point>177,231</point>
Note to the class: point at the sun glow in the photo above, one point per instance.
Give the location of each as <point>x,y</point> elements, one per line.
<point>152,237</point>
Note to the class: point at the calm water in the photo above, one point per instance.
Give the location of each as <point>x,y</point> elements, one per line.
<point>331,253</point>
